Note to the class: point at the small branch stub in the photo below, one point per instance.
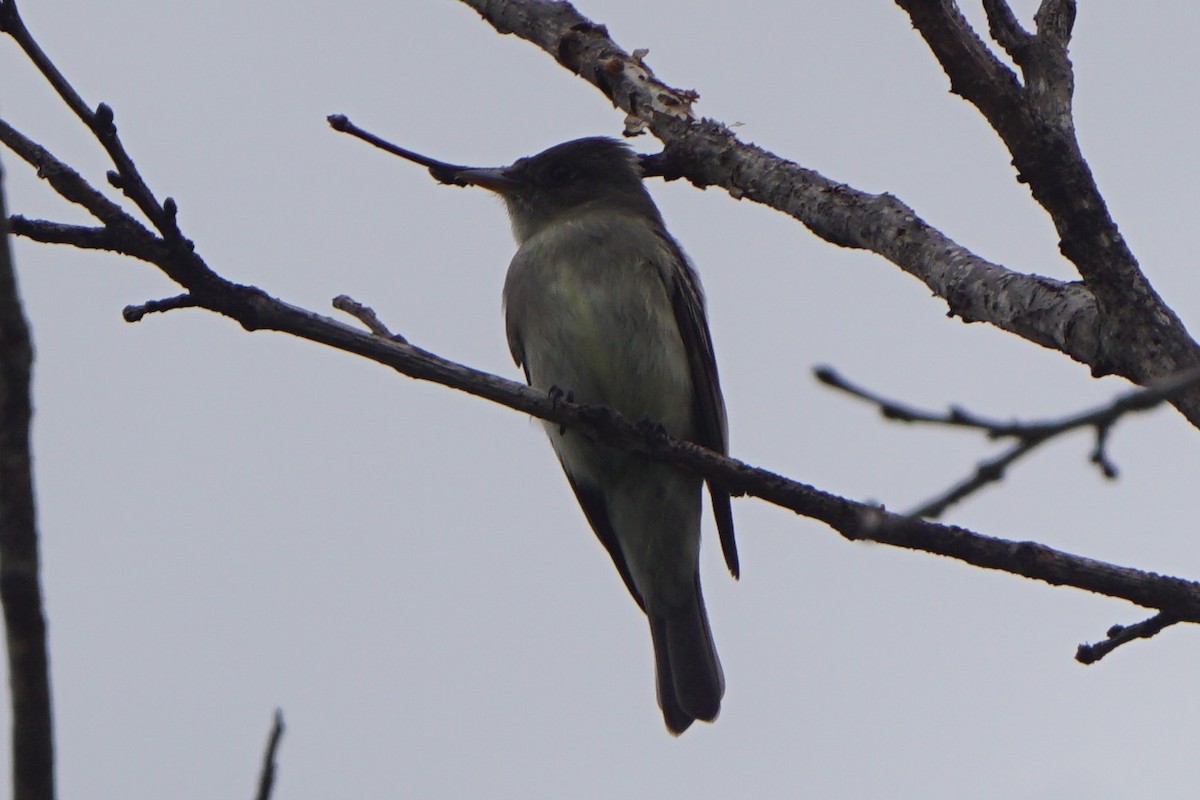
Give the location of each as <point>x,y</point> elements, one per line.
<point>1123,634</point>
<point>367,316</point>
<point>135,313</point>
<point>266,778</point>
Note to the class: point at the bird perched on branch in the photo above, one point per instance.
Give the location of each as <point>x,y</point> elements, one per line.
<point>601,304</point>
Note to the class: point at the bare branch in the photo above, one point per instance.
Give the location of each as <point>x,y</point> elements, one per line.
<point>12,24</point>
<point>174,255</point>
<point>1132,333</point>
<point>440,170</point>
<point>1029,435</point>
<point>1104,416</point>
<point>64,180</point>
<point>1036,124</point>
<point>47,232</point>
<point>134,242</point>
<point>986,472</point>
<point>266,778</point>
<point>1123,634</point>
<point>901,412</point>
<point>135,313</point>
<point>20,584</point>
<point>1006,30</point>
<point>256,310</point>
<point>1099,454</point>
<point>366,316</point>
<point>99,122</point>
<point>1054,20</point>
<point>1050,313</point>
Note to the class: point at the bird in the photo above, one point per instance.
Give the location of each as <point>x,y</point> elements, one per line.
<point>601,305</point>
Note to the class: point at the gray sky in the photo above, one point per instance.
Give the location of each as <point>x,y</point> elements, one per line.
<point>233,522</point>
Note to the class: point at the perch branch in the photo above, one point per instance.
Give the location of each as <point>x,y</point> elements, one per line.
<point>258,311</point>
<point>1051,313</point>
<point>254,309</point>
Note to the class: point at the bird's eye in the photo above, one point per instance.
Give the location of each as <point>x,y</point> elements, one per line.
<point>559,175</point>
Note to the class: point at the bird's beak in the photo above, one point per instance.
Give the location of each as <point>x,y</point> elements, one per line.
<point>499,179</point>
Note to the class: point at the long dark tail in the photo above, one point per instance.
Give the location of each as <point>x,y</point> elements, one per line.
<point>690,680</point>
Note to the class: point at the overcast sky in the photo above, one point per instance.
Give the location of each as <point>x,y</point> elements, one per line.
<point>234,522</point>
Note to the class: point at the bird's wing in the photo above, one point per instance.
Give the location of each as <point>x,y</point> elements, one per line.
<point>517,348</point>
<point>687,300</point>
<point>591,500</point>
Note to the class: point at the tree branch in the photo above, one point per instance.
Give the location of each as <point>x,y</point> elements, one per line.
<point>20,584</point>
<point>1143,338</point>
<point>1124,634</point>
<point>1029,435</point>
<point>1006,30</point>
<point>99,122</point>
<point>266,777</point>
<point>366,316</point>
<point>1051,313</point>
<point>1132,334</point>
<point>256,310</point>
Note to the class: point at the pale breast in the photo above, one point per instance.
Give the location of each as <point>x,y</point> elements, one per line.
<point>588,311</point>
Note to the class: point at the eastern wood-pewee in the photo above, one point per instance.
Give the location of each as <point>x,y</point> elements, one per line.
<point>601,304</point>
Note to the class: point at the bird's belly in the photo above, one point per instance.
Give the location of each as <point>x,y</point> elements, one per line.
<point>589,313</point>
<point>625,356</point>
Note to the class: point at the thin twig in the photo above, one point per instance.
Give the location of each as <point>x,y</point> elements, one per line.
<point>901,412</point>
<point>986,472</point>
<point>266,778</point>
<point>1029,435</point>
<point>1123,634</point>
<point>135,313</point>
<point>99,121</point>
<point>102,125</point>
<point>64,180</point>
<point>442,171</point>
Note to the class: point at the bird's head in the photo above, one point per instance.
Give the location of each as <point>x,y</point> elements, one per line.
<point>568,179</point>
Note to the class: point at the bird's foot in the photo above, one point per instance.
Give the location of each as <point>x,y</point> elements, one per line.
<point>654,431</point>
<point>557,395</point>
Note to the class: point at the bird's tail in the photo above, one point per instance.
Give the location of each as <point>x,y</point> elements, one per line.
<point>690,680</point>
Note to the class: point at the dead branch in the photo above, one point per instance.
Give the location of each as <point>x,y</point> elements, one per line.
<point>1028,435</point>
<point>1144,340</point>
<point>1065,312</point>
<point>1123,634</point>
<point>266,776</point>
<point>257,310</point>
